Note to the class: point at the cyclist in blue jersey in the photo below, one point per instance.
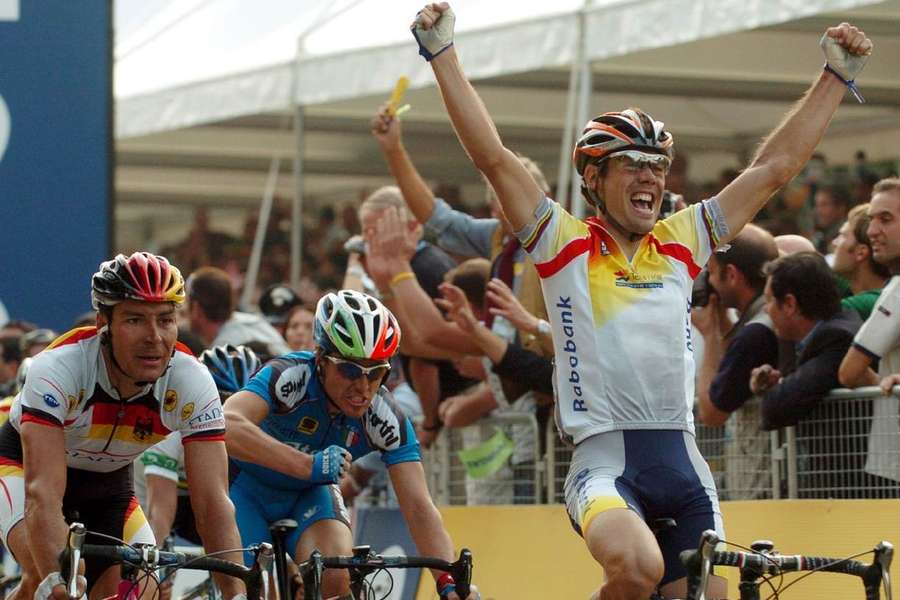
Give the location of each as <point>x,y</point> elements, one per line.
<point>293,431</point>
<point>617,289</point>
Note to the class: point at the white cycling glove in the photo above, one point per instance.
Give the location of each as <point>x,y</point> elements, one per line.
<point>843,64</point>
<point>437,39</point>
<point>45,589</point>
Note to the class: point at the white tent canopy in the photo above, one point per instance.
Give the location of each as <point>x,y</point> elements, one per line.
<point>206,89</point>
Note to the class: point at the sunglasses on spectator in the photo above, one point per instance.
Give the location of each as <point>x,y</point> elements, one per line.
<point>634,161</point>
<point>353,371</point>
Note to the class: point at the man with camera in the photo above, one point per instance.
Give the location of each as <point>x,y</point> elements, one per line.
<point>735,280</point>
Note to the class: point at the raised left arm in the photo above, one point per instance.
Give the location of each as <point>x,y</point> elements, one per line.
<point>787,149</point>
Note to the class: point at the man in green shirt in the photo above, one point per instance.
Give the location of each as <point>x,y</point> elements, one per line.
<point>854,262</point>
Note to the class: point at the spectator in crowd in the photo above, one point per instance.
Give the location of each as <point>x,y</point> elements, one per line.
<point>298,330</point>
<point>212,315</point>
<point>467,237</point>
<point>433,381</point>
<point>731,352</point>
<point>34,341</point>
<point>803,302</point>
<point>855,262</point>
<point>791,243</point>
<point>879,338</point>
<point>830,211</point>
<point>276,302</point>
<point>9,363</point>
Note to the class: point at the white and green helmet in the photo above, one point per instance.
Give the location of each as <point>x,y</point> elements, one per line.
<point>355,325</point>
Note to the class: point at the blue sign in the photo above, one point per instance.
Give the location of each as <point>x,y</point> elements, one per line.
<point>55,155</point>
<point>385,530</point>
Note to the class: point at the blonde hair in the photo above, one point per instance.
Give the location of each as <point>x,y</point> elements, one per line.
<point>385,197</point>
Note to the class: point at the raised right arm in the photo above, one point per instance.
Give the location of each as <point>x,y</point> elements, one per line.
<point>518,193</point>
<point>416,193</point>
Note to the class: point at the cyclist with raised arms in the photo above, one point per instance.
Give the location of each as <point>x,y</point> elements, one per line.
<point>295,428</point>
<point>617,289</point>
<point>93,401</point>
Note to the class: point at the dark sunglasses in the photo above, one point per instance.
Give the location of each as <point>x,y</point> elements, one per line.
<point>353,371</point>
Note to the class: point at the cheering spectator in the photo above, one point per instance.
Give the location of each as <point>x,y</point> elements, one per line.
<point>879,338</point>
<point>855,261</point>
<point>212,315</point>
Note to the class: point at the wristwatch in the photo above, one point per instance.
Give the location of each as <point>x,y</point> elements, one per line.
<point>543,327</point>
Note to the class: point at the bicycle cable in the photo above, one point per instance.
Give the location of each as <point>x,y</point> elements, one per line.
<point>766,578</point>
<point>816,570</point>
<point>187,564</point>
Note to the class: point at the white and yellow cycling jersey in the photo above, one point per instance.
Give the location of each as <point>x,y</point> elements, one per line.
<point>621,328</point>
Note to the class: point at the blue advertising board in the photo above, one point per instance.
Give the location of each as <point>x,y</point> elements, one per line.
<point>55,155</point>
<point>384,529</point>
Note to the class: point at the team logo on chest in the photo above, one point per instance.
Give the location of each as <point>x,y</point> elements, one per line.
<point>143,429</point>
<point>170,400</point>
<point>308,425</point>
<point>635,280</point>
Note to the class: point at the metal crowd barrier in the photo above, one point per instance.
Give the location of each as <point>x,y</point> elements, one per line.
<point>847,447</point>
<point>519,481</point>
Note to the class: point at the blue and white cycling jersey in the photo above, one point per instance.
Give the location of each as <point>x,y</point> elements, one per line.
<point>298,416</point>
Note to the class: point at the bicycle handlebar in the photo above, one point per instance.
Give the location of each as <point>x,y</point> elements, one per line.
<point>699,565</point>
<point>364,562</point>
<point>147,557</point>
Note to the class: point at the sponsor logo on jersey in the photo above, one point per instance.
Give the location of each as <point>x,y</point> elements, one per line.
<point>884,311</point>
<point>637,281</point>
<point>143,429</point>
<point>171,400</point>
<point>567,318</point>
<point>310,512</point>
<point>206,420</point>
<point>73,401</point>
<point>187,411</point>
<point>290,387</point>
<point>386,430</point>
<point>308,425</point>
<point>51,401</point>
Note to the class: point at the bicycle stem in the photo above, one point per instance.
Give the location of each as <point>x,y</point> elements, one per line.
<point>75,542</point>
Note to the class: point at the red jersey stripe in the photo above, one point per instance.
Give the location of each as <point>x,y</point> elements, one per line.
<point>570,252</point>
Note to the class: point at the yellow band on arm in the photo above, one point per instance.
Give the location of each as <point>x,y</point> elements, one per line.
<point>402,277</point>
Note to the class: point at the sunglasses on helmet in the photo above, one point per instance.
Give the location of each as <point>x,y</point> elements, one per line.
<point>353,371</point>
<point>634,161</point>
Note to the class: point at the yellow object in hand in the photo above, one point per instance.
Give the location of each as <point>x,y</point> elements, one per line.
<point>397,94</point>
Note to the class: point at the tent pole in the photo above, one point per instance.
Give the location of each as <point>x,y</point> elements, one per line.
<point>262,226</point>
<point>564,172</point>
<point>585,87</point>
<point>297,204</point>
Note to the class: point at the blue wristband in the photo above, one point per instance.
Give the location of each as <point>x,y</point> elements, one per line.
<point>851,84</point>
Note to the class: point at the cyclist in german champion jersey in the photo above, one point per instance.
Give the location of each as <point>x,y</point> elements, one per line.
<point>295,428</point>
<point>167,495</point>
<point>93,401</point>
<point>617,289</point>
